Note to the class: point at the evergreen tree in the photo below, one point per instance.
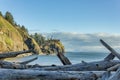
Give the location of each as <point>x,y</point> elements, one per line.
<point>15,24</point>
<point>18,25</point>
<point>1,14</point>
<point>38,38</point>
<point>24,29</point>
<point>9,17</point>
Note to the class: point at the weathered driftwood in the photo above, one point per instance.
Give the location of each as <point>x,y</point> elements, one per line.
<point>29,74</point>
<point>10,65</point>
<point>106,75</point>
<point>114,68</point>
<point>28,61</point>
<point>21,71</point>
<point>109,76</point>
<point>110,49</point>
<point>63,59</point>
<point>109,57</point>
<point>115,76</point>
<point>13,54</point>
<point>92,66</point>
<point>15,74</point>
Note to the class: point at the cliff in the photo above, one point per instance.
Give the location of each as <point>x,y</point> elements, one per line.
<point>52,46</point>
<point>12,38</point>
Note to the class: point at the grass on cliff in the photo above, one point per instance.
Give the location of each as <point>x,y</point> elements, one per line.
<point>8,35</point>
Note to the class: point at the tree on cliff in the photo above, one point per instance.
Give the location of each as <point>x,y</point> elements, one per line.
<point>38,38</point>
<point>9,17</point>
<point>24,29</point>
<point>1,14</point>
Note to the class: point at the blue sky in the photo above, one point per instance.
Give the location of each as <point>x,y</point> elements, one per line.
<point>79,24</point>
<point>81,16</point>
<point>76,42</point>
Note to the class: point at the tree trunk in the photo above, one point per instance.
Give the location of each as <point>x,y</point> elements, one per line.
<point>92,66</point>
<point>10,65</point>
<point>114,68</point>
<point>110,49</point>
<point>15,74</point>
<point>13,54</point>
<point>28,61</point>
<point>63,59</point>
<point>109,57</point>
<point>115,76</point>
<point>106,75</point>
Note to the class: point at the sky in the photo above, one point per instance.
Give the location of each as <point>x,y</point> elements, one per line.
<point>79,24</point>
<point>76,16</point>
<point>87,42</point>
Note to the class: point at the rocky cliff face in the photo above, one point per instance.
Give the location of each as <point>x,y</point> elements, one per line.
<point>13,39</point>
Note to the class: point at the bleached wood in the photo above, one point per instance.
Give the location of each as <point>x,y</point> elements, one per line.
<point>13,54</point>
<point>28,61</point>
<point>109,57</point>
<point>115,76</point>
<point>91,66</point>
<point>26,74</point>
<point>63,59</point>
<point>110,49</point>
<point>114,68</point>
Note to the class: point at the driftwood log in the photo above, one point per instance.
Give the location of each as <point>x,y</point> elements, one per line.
<point>99,70</point>
<point>114,68</point>
<point>10,65</point>
<point>109,76</point>
<point>28,61</point>
<point>16,74</point>
<point>98,65</point>
<point>63,59</point>
<point>109,57</point>
<point>92,66</point>
<point>110,49</point>
<point>13,54</point>
<point>106,75</point>
<point>29,74</point>
<point>115,76</point>
<point>17,65</point>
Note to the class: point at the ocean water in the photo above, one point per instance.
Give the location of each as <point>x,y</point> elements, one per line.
<point>74,57</point>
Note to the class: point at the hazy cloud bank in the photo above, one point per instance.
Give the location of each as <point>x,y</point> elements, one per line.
<point>86,42</point>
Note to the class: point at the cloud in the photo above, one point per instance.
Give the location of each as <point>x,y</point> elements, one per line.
<point>87,42</point>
